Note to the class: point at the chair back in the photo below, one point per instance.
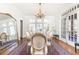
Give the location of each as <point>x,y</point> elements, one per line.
<point>38,41</point>
<point>3,36</point>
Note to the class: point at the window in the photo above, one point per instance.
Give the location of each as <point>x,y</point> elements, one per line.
<point>32,27</point>
<point>38,25</point>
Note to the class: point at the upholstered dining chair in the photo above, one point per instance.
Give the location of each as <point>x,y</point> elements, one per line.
<point>3,37</point>
<point>39,44</point>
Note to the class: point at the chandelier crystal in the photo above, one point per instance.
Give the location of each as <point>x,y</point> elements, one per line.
<point>39,13</point>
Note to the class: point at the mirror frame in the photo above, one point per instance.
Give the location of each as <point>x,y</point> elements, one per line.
<point>8,14</point>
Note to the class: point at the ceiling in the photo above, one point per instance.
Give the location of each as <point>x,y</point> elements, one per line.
<point>49,9</point>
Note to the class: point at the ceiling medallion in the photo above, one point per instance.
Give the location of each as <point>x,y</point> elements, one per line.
<point>39,13</point>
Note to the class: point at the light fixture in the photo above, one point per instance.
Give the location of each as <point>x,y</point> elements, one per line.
<point>39,13</point>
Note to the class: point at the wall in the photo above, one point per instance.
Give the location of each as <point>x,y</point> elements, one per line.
<point>58,24</point>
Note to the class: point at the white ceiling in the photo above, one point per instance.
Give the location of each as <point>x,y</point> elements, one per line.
<point>50,9</point>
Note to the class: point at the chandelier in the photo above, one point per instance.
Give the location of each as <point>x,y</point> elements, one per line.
<point>39,13</point>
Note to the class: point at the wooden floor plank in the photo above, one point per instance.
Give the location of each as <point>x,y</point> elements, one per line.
<point>66,46</point>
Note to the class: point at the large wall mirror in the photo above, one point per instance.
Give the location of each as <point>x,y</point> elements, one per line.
<point>8,30</point>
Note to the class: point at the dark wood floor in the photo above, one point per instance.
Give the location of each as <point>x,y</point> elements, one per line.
<point>57,48</point>
<point>67,47</point>
<point>8,47</point>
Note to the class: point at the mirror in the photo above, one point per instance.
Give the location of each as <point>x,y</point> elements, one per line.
<point>8,30</point>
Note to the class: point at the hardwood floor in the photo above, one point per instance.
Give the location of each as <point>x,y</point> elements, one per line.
<point>57,48</point>
<point>67,47</point>
<point>4,50</point>
<point>21,49</point>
